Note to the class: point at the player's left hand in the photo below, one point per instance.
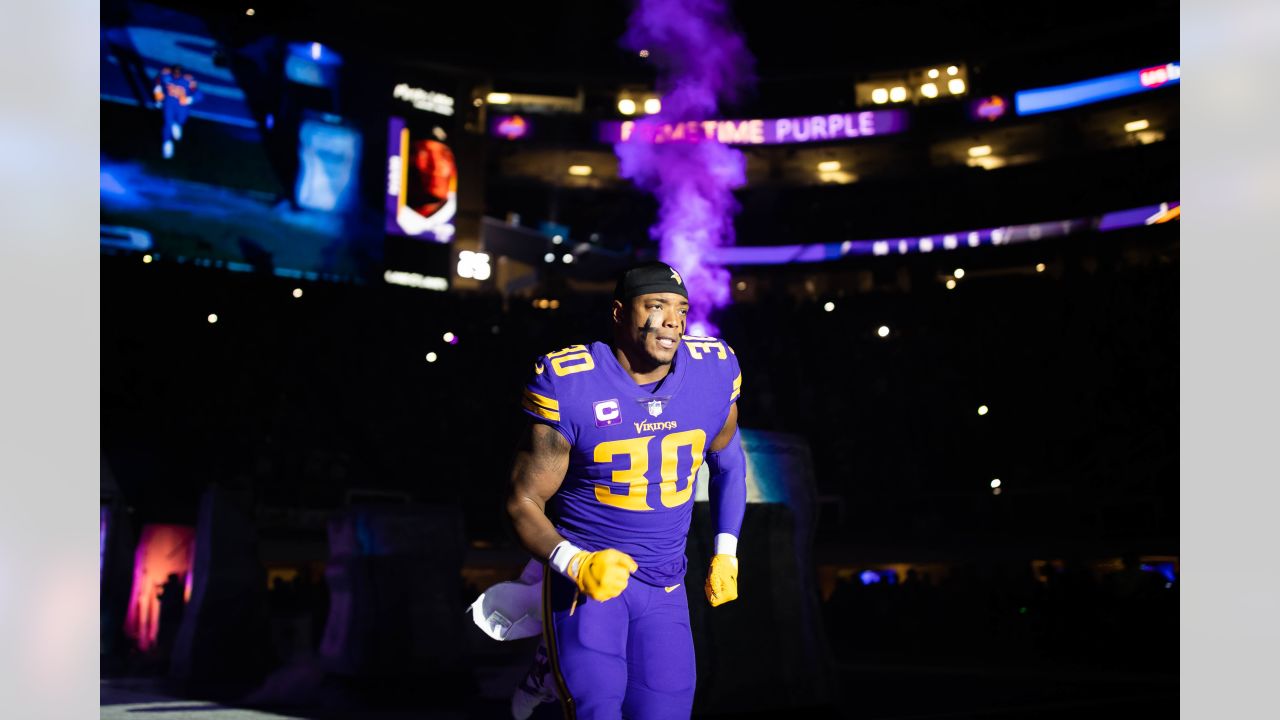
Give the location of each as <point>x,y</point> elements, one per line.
<point>722,580</point>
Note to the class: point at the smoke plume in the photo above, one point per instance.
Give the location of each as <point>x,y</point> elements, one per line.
<point>701,62</point>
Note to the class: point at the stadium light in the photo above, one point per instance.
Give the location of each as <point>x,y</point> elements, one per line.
<point>497,98</point>
<point>742,285</point>
<point>987,163</point>
<point>980,151</point>
<point>627,106</point>
<point>959,273</point>
<point>898,94</point>
<point>249,12</point>
<point>880,96</point>
<point>212,318</point>
<point>996,491</point>
<point>951,284</point>
<point>929,90</point>
<point>983,410</point>
<point>829,306</point>
<point>995,483</point>
<point>1136,125</point>
<point>449,337</point>
<point>580,170</point>
<point>956,86</point>
<point>431,357</point>
<point>883,331</point>
<point>549,257</point>
<point>297,292</point>
<point>147,258</point>
<point>644,53</point>
<point>557,239</point>
<point>1039,267</point>
<point>933,73</point>
<point>568,258</point>
<point>555,304</point>
<point>953,70</point>
<point>653,106</point>
<point>828,166</point>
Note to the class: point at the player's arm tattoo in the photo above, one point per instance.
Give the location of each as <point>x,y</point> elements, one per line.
<point>723,437</point>
<point>541,461</point>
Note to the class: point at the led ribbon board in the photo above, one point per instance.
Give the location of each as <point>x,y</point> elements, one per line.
<point>1061,97</point>
<point>759,131</point>
<point>1007,235</point>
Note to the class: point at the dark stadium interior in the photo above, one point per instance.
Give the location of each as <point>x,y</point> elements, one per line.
<point>992,431</point>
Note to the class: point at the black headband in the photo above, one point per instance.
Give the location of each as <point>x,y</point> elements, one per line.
<point>654,277</point>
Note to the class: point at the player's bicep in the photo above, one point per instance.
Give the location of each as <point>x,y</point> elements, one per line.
<point>726,433</point>
<point>541,461</point>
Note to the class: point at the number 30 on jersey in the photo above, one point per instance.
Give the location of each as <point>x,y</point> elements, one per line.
<point>634,475</point>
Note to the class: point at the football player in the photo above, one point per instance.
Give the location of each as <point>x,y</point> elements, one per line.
<point>174,92</point>
<point>602,492</point>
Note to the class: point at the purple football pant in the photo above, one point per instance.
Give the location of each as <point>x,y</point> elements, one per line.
<point>630,657</point>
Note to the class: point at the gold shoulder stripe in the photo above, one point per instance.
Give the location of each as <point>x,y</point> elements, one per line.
<point>540,411</point>
<point>542,400</point>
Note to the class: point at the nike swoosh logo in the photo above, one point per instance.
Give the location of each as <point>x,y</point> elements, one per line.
<point>673,587</point>
<point>538,368</point>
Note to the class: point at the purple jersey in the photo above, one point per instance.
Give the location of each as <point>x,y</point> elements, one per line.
<point>635,452</point>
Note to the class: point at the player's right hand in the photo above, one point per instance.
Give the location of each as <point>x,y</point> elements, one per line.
<point>603,574</point>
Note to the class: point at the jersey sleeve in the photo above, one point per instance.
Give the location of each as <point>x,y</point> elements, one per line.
<point>540,400</point>
<point>736,373</point>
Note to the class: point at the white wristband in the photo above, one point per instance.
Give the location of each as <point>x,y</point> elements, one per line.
<point>726,544</point>
<point>561,555</point>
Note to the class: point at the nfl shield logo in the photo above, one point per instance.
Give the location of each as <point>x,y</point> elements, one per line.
<point>655,407</point>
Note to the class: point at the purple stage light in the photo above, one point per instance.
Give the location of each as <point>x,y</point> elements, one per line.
<point>701,61</point>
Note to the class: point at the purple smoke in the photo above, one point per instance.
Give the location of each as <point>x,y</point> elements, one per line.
<point>701,61</point>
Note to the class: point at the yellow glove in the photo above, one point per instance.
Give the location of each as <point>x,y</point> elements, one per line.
<point>602,575</point>
<point>722,580</point>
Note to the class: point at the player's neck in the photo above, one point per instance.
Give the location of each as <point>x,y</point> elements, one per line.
<point>641,369</point>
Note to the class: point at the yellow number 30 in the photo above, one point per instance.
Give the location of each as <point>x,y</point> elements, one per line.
<point>633,476</point>
<point>575,358</point>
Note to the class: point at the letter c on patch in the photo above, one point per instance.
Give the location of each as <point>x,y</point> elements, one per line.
<point>608,412</point>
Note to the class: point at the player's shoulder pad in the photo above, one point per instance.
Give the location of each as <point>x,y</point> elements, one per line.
<point>701,347</point>
<point>711,354</point>
<point>563,367</point>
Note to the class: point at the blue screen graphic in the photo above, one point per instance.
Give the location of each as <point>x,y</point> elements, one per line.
<point>328,155</point>
<point>156,38</point>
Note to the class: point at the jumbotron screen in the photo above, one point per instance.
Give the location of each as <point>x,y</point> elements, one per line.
<point>422,181</point>
<point>191,173</point>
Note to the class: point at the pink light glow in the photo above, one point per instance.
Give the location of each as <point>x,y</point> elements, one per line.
<point>162,549</point>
